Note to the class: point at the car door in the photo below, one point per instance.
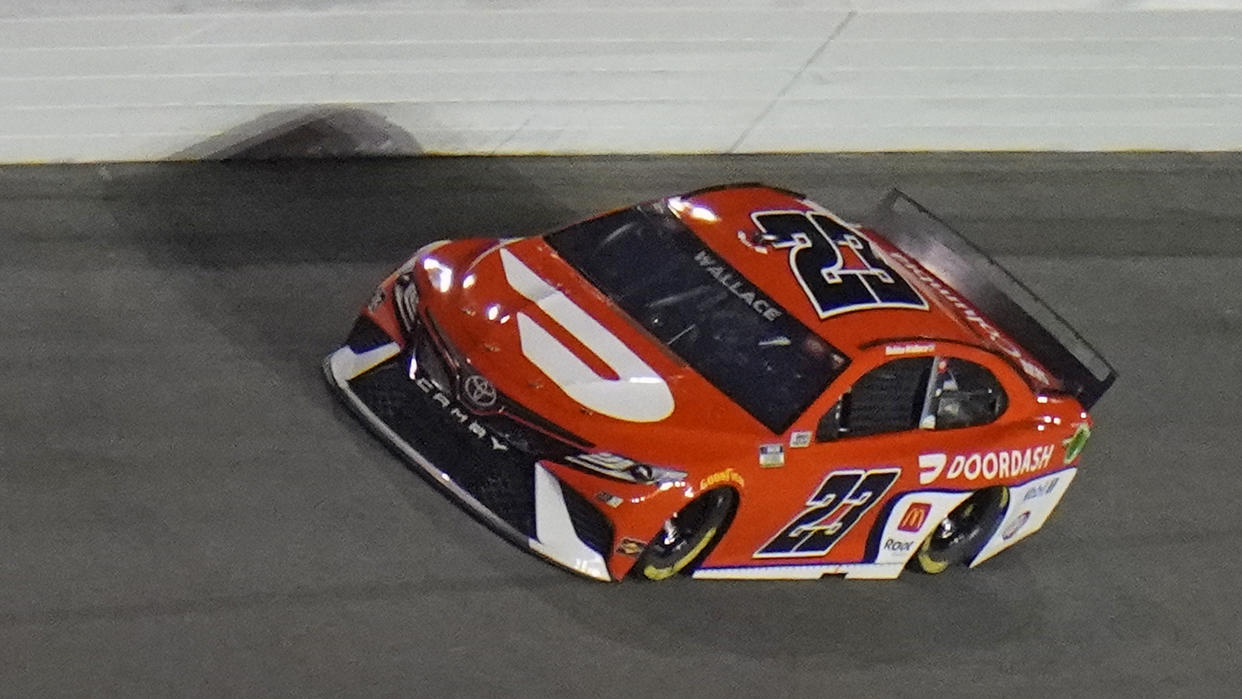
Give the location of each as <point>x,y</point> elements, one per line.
<point>834,468</point>
<point>820,490</point>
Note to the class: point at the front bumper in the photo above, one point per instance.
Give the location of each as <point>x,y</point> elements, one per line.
<point>504,487</point>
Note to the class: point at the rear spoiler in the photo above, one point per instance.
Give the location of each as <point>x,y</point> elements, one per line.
<point>1001,298</point>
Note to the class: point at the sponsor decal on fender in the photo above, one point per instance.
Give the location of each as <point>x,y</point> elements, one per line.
<point>726,476</point>
<point>1013,527</point>
<point>609,499</point>
<point>930,467</point>
<point>631,547</point>
<point>915,516</point>
<point>771,455</point>
<point>895,545</point>
<point>1040,490</point>
<point>1073,445</point>
<point>984,464</point>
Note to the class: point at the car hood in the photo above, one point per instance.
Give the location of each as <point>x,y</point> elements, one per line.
<point>548,340</point>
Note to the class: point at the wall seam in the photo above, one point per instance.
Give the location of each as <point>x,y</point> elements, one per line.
<point>790,83</point>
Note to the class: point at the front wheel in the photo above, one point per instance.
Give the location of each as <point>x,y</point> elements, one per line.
<point>686,535</point>
<point>960,536</point>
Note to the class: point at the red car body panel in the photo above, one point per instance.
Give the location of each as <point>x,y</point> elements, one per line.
<point>471,299</point>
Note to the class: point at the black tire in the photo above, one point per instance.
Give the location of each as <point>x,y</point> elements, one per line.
<point>961,535</point>
<point>687,536</point>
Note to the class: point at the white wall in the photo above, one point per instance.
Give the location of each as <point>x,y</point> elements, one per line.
<point>150,79</point>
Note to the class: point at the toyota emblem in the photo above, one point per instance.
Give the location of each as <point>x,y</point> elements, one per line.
<point>478,391</point>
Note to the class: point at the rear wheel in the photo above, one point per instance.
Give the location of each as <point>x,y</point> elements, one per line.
<point>687,535</point>
<point>960,536</point>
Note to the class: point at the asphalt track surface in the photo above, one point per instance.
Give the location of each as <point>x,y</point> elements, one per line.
<point>185,510</point>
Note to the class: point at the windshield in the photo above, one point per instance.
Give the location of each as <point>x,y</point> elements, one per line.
<point>709,315</point>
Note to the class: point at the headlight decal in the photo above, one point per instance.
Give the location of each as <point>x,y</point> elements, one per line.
<point>615,466</point>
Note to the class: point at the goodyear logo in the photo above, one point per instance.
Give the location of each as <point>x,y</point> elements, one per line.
<point>726,476</point>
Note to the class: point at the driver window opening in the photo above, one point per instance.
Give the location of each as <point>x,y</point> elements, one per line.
<point>889,398</point>
<point>961,394</point>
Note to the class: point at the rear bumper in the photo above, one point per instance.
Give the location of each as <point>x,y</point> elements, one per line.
<point>503,487</point>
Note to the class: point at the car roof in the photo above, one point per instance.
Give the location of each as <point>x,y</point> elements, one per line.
<point>728,218</point>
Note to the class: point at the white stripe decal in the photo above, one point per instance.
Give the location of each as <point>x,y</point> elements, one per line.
<point>912,518</point>
<point>865,571</point>
<point>1030,504</point>
<point>554,531</point>
<point>639,395</point>
<point>347,364</point>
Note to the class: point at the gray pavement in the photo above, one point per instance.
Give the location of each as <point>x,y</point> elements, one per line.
<point>184,509</point>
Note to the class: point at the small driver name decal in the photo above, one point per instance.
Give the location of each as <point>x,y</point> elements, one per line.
<point>737,286</point>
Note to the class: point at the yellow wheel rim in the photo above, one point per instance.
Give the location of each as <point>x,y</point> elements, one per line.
<point>928,564</point>
<point>932,566</point>
<point>653,573</point>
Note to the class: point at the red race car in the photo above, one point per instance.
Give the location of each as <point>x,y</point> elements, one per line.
<point>733,383</point>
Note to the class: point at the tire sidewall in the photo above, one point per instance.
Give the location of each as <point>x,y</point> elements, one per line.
<point>656,565</point>
<point>965,547</point>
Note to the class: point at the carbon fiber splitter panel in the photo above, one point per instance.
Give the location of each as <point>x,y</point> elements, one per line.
<point>430,421</point>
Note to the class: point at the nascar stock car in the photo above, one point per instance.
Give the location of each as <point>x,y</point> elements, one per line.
<point>733,383</point>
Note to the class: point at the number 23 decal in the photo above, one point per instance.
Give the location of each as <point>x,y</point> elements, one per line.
<point>836,506</point>
<point>835,265</point>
